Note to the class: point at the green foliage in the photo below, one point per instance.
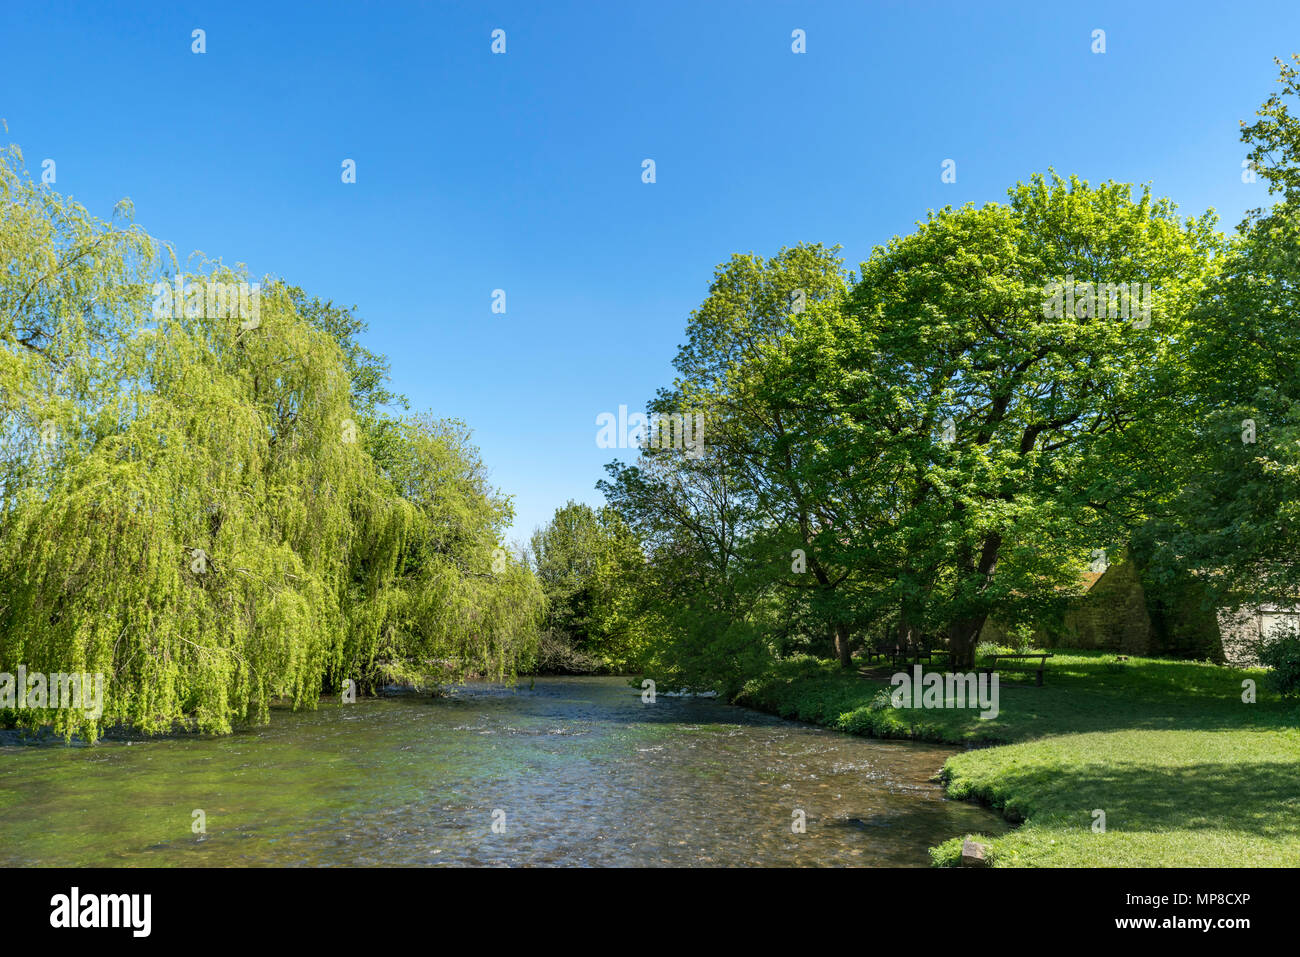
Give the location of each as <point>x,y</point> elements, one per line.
<point>1280,653</point>
<point>1051,452</point>
<point>1274,137</point>
<point>190,506</point>
<point>1236,521</point>
<point>830,501</point>
<point>565,554</point>
<point>589,566</point>
<point>693,598</point>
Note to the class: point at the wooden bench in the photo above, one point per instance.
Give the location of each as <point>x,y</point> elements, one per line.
<point>892,655</point>
<point>926,654</point>
<point>900,654</point>
<point>1042,663</point>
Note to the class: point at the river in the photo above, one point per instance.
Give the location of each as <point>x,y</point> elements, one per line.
<point>574,771</point>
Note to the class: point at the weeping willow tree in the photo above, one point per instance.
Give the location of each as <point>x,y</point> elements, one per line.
<point>474,606</point>
<point>191,507</point>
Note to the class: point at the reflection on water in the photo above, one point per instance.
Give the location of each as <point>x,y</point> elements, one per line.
<point>584,772</point>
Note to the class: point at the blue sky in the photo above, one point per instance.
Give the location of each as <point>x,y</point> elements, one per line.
<point>522,171</point>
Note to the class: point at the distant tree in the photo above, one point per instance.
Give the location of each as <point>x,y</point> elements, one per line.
<point>588,564</point>
<point>565,553</point>
<point>686,518</point>
<point>755,363</point>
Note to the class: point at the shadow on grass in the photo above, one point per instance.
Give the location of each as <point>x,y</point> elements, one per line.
<point>1080,694</point>
<point>1255,798</point>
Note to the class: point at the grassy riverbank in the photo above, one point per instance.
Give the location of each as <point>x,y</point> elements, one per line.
<point>1185,771</point>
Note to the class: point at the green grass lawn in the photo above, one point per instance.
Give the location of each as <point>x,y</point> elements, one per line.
<point>1185,771</point>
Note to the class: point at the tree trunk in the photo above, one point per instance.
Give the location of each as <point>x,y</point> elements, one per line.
<point>964,632</point>
<point>962,636</point>
<point>907,636</point>
<point>842,645</point>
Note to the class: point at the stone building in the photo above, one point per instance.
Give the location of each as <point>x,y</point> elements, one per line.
<point>1242,629</point>
<point>1122,612</point>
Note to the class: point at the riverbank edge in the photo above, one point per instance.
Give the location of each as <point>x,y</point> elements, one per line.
<point>882,723</point>
<point>1125,723</point>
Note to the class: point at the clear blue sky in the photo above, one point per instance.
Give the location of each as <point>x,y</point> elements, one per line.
<point>522,171</point>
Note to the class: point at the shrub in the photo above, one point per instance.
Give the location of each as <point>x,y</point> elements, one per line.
<point>1280,653</point>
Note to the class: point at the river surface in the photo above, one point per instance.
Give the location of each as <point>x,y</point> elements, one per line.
<point>575,771</point>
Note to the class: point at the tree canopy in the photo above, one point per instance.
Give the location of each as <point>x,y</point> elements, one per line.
<point>196,506</point>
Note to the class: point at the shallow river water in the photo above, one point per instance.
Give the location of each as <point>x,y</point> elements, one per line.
<point>575,771</point>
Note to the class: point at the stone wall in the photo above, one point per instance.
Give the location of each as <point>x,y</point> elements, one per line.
<point>1124,614</point>
<point>1111,616</point>
<point>1243,628</point>
<point>1185,622</point>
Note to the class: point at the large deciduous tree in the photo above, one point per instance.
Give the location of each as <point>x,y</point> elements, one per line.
<point>995,344</point>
